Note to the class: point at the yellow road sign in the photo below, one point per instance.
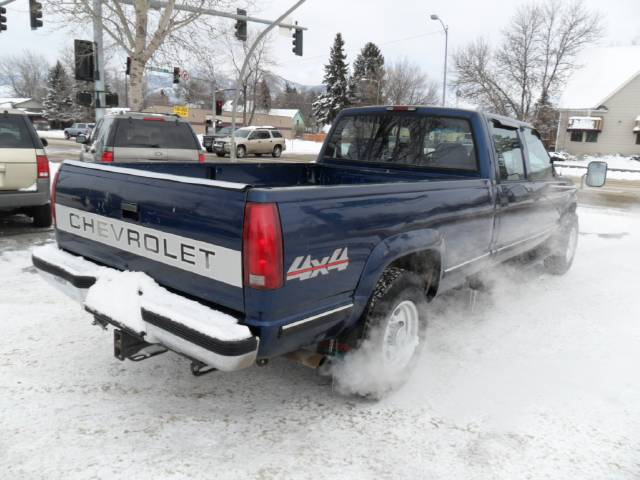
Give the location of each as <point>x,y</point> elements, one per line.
<point>181,110</point>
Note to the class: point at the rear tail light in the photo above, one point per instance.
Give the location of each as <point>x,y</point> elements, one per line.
<point>262,246</point>
<point>54,186</point>
<point>201,158</point>
<point>107,156</point>
<point>43,166</point>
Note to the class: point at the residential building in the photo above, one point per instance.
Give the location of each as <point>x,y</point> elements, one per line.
<point>600,105</point>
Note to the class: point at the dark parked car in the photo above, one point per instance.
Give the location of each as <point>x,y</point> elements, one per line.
<point>311,260</point>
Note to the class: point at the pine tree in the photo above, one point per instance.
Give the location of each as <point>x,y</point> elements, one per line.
<point>57,104</point>
<point>336,96</point>
<point>264,96</point>
<point>366,84</point>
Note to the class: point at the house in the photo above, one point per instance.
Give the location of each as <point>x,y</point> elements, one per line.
<point>599,109</point>
<point>288,121</point>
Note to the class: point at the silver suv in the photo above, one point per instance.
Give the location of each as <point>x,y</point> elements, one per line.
<point>252,140</point>
<point>141,137</point>
<point>24,169</point>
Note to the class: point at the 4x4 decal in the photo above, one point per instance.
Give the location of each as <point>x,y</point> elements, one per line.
<point>304,267</point>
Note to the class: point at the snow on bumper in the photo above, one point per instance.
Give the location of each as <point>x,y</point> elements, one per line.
<point>133,301</point>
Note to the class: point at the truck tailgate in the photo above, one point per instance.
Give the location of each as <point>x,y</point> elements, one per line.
<point>183,231</point>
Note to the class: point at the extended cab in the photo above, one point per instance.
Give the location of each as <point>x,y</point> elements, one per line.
<point>234,264</point>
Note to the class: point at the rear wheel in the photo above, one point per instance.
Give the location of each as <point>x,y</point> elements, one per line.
<point>220,154</point>
<point>277,151</point>
<point>241,151</point>
<point>209,149</point>
<point>41,215</point>
<point>67,136</point>
<point>563,246</point>
<point>394,321</point>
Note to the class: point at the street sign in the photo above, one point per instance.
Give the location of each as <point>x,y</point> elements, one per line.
<point>184,75</point>
<point>181,110</point>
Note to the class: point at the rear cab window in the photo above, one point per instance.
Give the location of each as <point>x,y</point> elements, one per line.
<point>405,139</point>
<point>156,133</point>
<point>15,133</point>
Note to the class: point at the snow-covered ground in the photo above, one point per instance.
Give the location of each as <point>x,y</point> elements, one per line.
<point>302,147</point>
<point>613,161</point>
<point>540,381</point>
<point>51,133</point>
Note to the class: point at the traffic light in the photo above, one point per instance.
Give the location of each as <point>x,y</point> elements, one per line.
<point>297,42</point>
<point>35,14</point>
<point>84,56</point>
<point>128,69</point>
<point>176,74</point>
<point>219,104</point>
<point>84,98</point>
<point>3,19</point>
<point>241,25</point>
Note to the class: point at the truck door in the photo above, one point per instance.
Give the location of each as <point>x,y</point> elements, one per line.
<point>547,191</point>
<point>515,213</point>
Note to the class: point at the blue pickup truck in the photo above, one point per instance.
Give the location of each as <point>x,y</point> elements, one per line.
<point>233,264</point>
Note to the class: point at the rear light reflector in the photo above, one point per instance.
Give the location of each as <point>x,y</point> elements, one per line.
<point>201,158</point>
<point>107,157</point>
<point>43,166</point>
<point>54,186</point>
<point>262,247</point>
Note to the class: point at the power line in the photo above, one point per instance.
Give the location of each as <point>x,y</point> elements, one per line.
<point>379,44</point>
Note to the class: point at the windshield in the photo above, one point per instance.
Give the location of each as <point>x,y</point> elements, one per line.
<point>14,133</point>
<point>405,139</point>
<point>137,133</point>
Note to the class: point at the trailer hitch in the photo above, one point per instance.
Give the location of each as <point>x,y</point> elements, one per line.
<point>198,368</point>
<point>127,346</point>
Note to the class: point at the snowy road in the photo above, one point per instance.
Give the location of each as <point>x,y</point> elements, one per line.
<point>540,381</point>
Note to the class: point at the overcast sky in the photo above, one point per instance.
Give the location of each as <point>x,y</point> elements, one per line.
<point>401,28</point>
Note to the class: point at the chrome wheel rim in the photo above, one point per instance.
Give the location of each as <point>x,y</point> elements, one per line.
<point>401,335</point>
<point>572,244</point>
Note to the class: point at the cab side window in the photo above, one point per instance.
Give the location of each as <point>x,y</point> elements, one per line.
<point>508,153</point>
<point>539,162</point>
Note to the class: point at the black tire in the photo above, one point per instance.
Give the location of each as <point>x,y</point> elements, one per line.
<point>220,154</point>
<point>258,154</point>
<point>383,333</point>
<point>562,246</point>
<point>209,149</point>
<point>41,216</point>
<point>241,151</point>
<point>67,136</point>
<point>277,151</point>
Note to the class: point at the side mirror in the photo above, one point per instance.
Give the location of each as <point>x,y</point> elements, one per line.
<point>81,139</point>
<point>556,157</point>
<point>45,142</point>
<point>596,174</point>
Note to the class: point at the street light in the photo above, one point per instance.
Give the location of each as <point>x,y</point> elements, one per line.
<point>446,44</point>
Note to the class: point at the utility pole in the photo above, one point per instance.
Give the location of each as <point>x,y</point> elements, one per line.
<point>232,149</point>
<point>99,63</point>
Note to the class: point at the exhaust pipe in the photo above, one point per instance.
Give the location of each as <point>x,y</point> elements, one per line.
<point>307,358</point>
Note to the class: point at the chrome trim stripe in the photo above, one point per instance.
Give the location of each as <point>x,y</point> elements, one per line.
<point>524,240</point>
<point>310,319</point>
<point>467,262</point>
<point>160,176</point>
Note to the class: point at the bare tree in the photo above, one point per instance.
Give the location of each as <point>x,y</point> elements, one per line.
<point>406,84</point>
<point>144,33</point>
<point>26,73</point>
<point>258,65</point>
<point>536,55</point>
